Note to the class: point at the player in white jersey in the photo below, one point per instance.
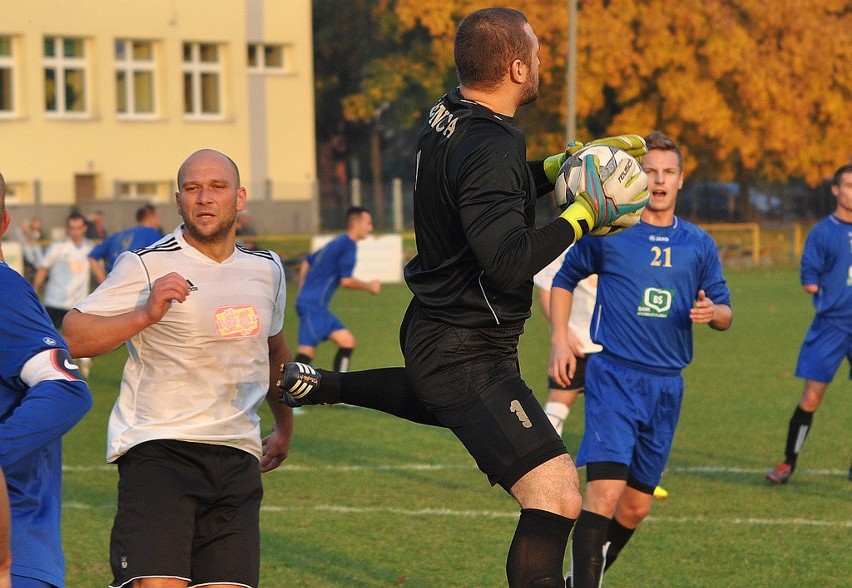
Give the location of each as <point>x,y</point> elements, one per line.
<point>561,398</point>
<point>202,321</point>
<point>65,268</point>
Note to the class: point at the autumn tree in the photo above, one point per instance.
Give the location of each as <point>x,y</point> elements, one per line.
<point>750,89</point>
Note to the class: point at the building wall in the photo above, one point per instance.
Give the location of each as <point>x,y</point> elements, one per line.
<point>265,120</point>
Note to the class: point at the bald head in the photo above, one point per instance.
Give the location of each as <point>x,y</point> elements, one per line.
<point>205,153</point>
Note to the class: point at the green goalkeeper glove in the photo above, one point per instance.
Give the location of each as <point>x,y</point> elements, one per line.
<point>633,144</point>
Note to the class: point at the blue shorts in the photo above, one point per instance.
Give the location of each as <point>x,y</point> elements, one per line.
<point>631,416</point>
<point>822,351</point>
<point>316,324</point>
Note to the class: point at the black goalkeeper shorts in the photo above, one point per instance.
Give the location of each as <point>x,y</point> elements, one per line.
<point>469,379</point>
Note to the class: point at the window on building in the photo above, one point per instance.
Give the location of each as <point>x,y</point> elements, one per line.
<point>150,191</point>
<point>65,72</point>
<point>202,80</point>
<point>269,58</point>
<point>7,76</point>
<point>134,77</point>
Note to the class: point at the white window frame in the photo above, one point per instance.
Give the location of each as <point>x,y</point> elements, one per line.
<point>196,69</point>
<point>261,67</point>
<point>129,66</point>
<point>8,62</point>
<point>60,64</point>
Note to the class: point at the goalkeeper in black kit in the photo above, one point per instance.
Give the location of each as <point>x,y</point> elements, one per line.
<point>478,249</point>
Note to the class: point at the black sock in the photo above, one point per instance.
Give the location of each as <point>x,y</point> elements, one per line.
<point>800,425</point>
<point>618,535</point>
<point>538,549</point>
<point>588,553</point>
<point>384,389</point>
<point>341,359</point>
<point>302,358</point>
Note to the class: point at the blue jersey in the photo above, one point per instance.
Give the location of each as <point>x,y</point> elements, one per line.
<point>327,267</point>
<point>827,262</point>
<point>130,239</point>
<point>648,280</point>
<point>33,419</point>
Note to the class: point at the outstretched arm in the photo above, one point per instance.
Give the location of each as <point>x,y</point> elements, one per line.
<point>373,286</point>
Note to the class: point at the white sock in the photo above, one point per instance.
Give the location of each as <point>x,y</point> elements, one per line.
<point>556,413</point>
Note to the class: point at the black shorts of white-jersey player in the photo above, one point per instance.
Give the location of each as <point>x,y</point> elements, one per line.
<point>478,249</point>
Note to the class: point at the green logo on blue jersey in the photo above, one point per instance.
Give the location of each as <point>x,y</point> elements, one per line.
<point>656,302</point>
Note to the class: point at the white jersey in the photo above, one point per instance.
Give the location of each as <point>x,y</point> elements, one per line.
<point>202,372</point>
<point>69,273</point>
<point>583,306</point>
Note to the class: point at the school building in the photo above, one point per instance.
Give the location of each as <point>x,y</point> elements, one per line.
<point>101,101</point>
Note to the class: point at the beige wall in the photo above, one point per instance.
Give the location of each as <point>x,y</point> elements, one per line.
<point>266,122</point>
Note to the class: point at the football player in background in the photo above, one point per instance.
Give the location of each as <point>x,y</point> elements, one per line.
<point>826,273</point>
<point>561,398</point>
<point>655,281</point>
<point>146,231</point>
<point>42,395</point>
<point>477,251</point>
<point>319,276</point>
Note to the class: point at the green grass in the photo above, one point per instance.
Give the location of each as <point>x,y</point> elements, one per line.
<point>366,500</point>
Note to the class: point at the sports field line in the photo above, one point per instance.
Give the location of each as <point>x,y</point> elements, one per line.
<point>434,467</point>
<point>509,514</point>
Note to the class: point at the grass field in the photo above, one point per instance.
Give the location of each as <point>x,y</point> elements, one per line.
<point>366,500</point>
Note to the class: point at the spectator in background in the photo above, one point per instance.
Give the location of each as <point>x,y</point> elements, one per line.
<point>146,231</point>
<point>96,227</point>
<point>321,273</point>
<point>42,395</point>
<point>826,274</point>
<point>246,229</point>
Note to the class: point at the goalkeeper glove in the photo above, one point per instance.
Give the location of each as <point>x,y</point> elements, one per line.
<point>598,203</point>
<point>633,144</point>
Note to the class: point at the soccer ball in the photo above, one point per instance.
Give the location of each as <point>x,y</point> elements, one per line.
<point>570,182</point>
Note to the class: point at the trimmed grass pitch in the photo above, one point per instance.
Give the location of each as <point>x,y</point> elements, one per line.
<point>366,500</point>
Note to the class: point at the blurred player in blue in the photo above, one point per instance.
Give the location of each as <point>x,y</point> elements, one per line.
<point>826,273</point>
<point>321,273</point>
<point>42,395</point>
<point>655,281</point>
<point>145,232</point>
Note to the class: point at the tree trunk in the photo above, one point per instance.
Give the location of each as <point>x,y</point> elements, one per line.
<point>376,167</point>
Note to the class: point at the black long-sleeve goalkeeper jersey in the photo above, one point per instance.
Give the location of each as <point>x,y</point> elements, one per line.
<point>474,218</point>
